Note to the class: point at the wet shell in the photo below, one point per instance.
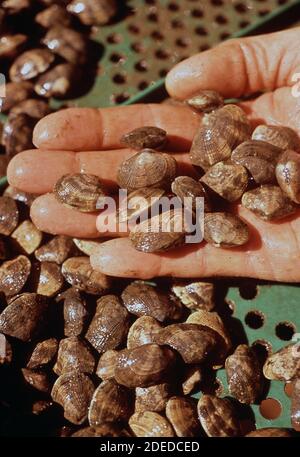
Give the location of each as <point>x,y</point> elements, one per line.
<point>50,279</point>
<point>20,196</point>
<point>225,230</point>
<point>106,366</point>
<point>150,425</point>
<point>270,432</point>
<point>138,203</point>
<point>54,15</point>
<point>32,107</point>
<point>283,365</point>
<point>108,429</point>
<point>43,353</point>
<point>75,312</point>
<point>39,380</point>
<point>268,202</point>
<point>27,237</point>
<point>68,44</point>
<point>59,82</point>
<point>143,331</point>
<point>195,295</point>
<point>195,343</point>
<point>6,352</point>
<point>280,136</point>
<point>227,179</point>
<point>31,64</point>
<point>295,412</point>
<point>221,131</point>
<point>147,168</point>
<point>14,274</point>
<point>11,45</point>
<point>110,403</point>
<point>182,414</point>
<point>142,299</point>
<point>145,138</point>
<point>205,101</point>
<point>190,192</point>
<point>81,191</point>
<point>15,93</point>
<point>218,417</point>
<point>191,379</point>
<point>74,391</point>
<point>25,316</point>
<point>93,12</point>
<point>143,366</point>
<point>288,174</point>
<point>153,398</point>
<point>259,158</point>
<point>110,324</point>
<point>74,355</point>
<point>17,134</point>
<point>244,375</point>
<point>79,273</point>
<point>56,250</point>
<point>9,215</point>
<point>160,233</point>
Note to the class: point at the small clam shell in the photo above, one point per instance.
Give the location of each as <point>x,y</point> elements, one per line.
<point>67,43</point>
<point>43,353</point>
<point>145,138</point>
<point>110,403</point>
<point>14,274</point>
<point>39,380</point>
<point>143,331</point>
<point>31,64</point>
<point>110,324</point>
<point>32,107</point>
<point>54,15</point>
<point>107,429</point>
<point>283,365</point>
<point>25,316</point>
<point>205,101</point>
<point>106,366</point>
<point>17,134</point>
<point>20,196</point>
<point>11,45</point>
<point>218,417</point>
<point>50,279</point>
<point>27,237</point>
<point>143,366</point>
<point>182,414</point>
<point>280,136</point>
<point>295,412</point>
<point>227,179</point>
<point>74,355</point>
<point>195,295</point>
<point>79,273</point>
<point>73,391</point>
<point>150,425</point>
<point>80,191</point>
<point>288,174</point>
<point>195,343</point>
<point>94,12</point>
<point>225,230</point>
<point>56,250</point>
<point>59,82</point>
<point>160,233</point>
<point>143,299</point>
<point>221,131</point>
<point>147,168</point>
<point>75,312</point>
<point>191,379</point>
<point>244,375</point>
<point>270,432</point>
<point>260,158</point>
<point>189,190</point>
<point>153,398</point>
<point>9,215</point>
<point>268,202</point>
<point>138,203</point>
<point>15,93</point>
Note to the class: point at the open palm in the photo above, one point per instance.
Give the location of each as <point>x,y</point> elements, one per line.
<point>87,140</point>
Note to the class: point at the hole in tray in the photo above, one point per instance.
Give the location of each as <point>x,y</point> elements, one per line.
<point>177,24</point>
<point>197,12</point>
<point>282,2</point>
<point>120,98</point>
<point>248,291</point>
<point>183,42</point>
<point>229,307</point>
<point>255,319</point>
<point>116,58</point>
<point>157,35</point>
<point>262,349</point>
<point>201,31</point>
<point>141,66</point>
<point>204,47</point>
<point>241,8</point>
<point>264,12</point>
<point>220,19</point>
<point>137,47</point>
<point>285,330</point>
<point>162,54</point>
<point>270,408</point>
<point>114,38</point>
<point>150,2</point>
<point>163,72</point>
<point>244,24</point>
<point>119,78</point>
<point>173,6</point>
<point>217,2</point>
<point>152,17</point>
<point>134,29</point>
<point>143,85</point>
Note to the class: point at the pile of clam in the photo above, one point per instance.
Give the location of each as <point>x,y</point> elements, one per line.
<point>45,52</point>
<point>82,355</point>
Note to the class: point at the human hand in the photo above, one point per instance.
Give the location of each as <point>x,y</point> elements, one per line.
<point>237,67</point>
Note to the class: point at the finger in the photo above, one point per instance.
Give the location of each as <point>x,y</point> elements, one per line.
<point>52,217</point>
<point>240,66</point>
<point>86,129</point>
<point>273,254</point>
<point>37,171</point>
